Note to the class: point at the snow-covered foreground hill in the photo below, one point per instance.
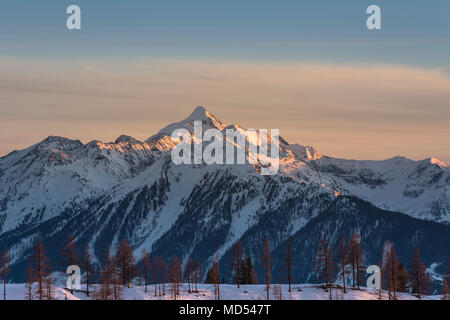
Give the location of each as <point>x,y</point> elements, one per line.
<point>227,292</point>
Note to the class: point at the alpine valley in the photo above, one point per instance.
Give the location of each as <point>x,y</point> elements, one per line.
<point>103,192</point>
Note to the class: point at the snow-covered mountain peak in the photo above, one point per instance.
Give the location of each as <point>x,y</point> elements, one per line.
<point>437,162</point>
<point>104,192</point>
<point>199,114</point>
<point>126,139</point>
<point>60,143</point>
<point>431,166</point>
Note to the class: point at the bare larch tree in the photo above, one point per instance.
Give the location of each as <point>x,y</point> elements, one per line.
<point>4,269</point>
<point>40,267</point>
<point>356,259</point>
<point>323,264</point>
<point>342,260</point>
<point>287,263</point>
<point>265,261</point>
<point>88,269</point>
<point>175,276</point>
<point>235,262</point>
<point>196,270</point>
<point>419,279</point>
<point>187,273</point>
<point>125,263</point>
<point>145,267</point>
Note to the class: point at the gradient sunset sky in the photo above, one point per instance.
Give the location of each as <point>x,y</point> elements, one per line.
<point>310,68</point>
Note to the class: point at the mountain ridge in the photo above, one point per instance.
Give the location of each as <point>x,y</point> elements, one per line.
<point>103,192</point>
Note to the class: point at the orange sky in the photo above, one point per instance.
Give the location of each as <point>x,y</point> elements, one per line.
<point>356,111</point>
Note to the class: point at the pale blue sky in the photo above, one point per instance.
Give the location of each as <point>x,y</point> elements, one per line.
<point>415,32</point>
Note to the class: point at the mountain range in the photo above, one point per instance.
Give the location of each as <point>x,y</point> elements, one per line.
<point>103,192</point>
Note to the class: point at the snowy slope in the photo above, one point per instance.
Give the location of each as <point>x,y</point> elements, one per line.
<point>227,292</point>
<point>418,188</point>
<point>18,291</point>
